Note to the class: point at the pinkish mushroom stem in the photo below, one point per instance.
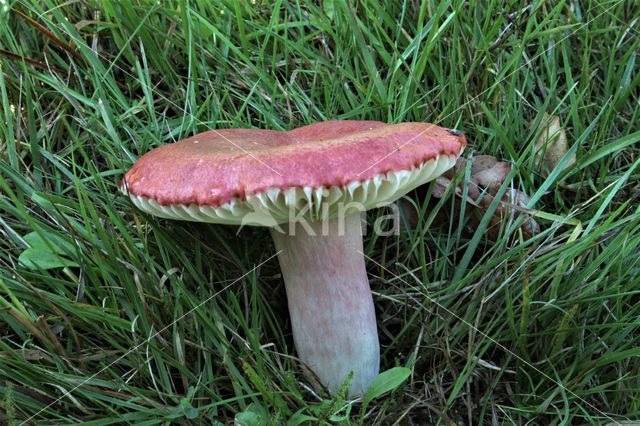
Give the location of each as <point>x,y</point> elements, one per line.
<point>330,302</point>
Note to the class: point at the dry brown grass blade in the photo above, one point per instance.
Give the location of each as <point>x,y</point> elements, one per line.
<point>34,328</point>
<point>31,62</point>
<point>45,67</point>
<point>44,326</point>
<point>47,33</point>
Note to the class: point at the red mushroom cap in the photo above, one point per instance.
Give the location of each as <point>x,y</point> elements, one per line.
<point>215,167</point>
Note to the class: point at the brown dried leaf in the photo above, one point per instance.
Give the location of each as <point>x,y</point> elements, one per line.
<point>440,186</point>
<point>487,175</point>
<point>552,144</point>
<point>480,163</point>
<point>507,210</point>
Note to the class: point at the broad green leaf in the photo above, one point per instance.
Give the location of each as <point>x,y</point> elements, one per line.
<point>300,418</point>
<point>384,382</point>
<point>55,243</point>
<point>39,258</point>
<point>329,8</point>
<point>46,254</point>
<point>254,415</point>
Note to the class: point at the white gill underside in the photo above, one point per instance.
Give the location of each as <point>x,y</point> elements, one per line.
<point>276,206</point>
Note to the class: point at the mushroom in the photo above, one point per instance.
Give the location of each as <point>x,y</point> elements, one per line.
<point>309,186</point>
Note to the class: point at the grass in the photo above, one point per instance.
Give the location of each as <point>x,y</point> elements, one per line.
<point>108,315</point>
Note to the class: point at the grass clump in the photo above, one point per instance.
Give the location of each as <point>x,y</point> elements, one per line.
<point>110,315</point>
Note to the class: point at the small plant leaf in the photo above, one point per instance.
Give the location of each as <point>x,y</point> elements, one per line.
<point>56,243</point>
<point>42,255</point>
<point>254,415</point>
<point>37,258</point>
<point>190,412</point>
<point>299,418</point>
<point>329,8</point>
<point>384,382</point>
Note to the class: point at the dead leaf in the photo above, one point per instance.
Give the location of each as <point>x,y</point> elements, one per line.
<point>551,144</point>
<point>487,175</point>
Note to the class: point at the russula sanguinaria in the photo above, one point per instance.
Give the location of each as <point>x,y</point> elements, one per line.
<point>309,185</point>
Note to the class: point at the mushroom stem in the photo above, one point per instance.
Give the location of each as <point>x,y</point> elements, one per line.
<point>330,302</point>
